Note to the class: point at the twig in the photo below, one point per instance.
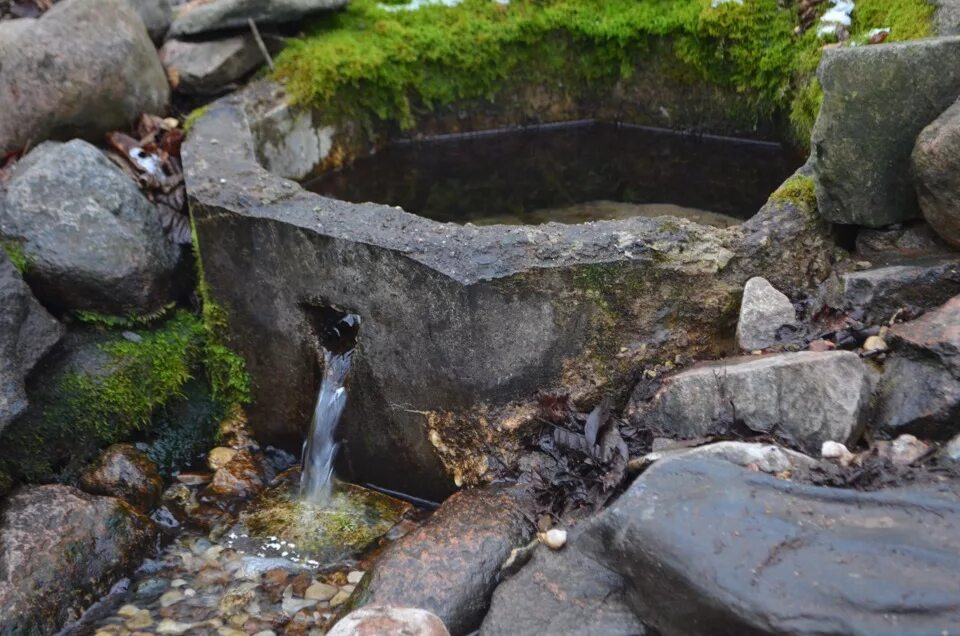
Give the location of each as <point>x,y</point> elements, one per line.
<point>260,44</point>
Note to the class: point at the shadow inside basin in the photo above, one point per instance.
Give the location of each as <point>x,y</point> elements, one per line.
<point>568,173</point>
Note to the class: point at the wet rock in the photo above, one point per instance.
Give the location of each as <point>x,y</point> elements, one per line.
<point>93,240</point>
<point>921,283</point>
<point>27,333</point>
<point>84,68</point>
<point>808,397</point>
<point>377,621</point>
<point>919,391</point>
<point>210,67</point>
<point>59,548</point>
<point>320,592</point>
<point>952,449</point>
<point>936,166</point>
<point>240,479</point>
<point>449,565</point>
<point>743,552</point>
<point>764,457</point>
<point>564,592</point>
<point>907,240</point>
<point>124,472</point>
<point>228,14</point>
<point>157,15</point>
<point>763,311</point>
<point>861,117</point>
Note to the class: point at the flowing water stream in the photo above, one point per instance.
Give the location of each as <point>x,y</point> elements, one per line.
<point>320,447</point>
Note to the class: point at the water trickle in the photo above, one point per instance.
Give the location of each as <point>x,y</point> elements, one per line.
<point>320,448</point>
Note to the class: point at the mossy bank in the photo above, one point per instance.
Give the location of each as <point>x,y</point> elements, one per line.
<point>375,62</point>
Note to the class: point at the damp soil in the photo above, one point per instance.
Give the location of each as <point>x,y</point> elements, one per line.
<point>568,173</point>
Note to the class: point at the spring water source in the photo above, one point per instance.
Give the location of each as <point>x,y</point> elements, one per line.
<point>568,173</point>
<point>320,447</point>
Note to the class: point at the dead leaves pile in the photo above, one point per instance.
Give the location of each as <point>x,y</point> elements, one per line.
<point>153,161</point>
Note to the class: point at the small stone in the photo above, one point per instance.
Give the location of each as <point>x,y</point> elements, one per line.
<point>189,592</point>
<point>213,553</point>
<point>907,449</point>
<point>763,311</point>
<point>171,598</point>
<point>339,599</point>
<point>128,611</point>
<point>194,479</point>
<point>300,583</point>
<point>266,632</point>
<point>169,626</point>
<point>229,631</point>
<point>320,592</point>
<point>555,538</point>
<point>389,620</point>
<point>177,583</point>
<point>355,577</point>
<point>874,343</point>
<point>140,620</point>
<point>349,588</point>
<point>836,451</point>
<point>220,457</point>
<point>291,606</point>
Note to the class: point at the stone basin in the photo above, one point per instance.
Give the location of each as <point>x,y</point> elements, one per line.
<point>461,324</point>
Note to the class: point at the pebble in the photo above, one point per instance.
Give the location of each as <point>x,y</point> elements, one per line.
<point>128,611</point>
<point>320,592</point>
<point>555,538</point>
<point>140,620</point>
<point>229,631</point>
<point>907,449</point>
<point>266,632</point>
<point>170,598</point>
<point>220,457</point>
<point>168,626</point>
<point>291,606</point>
<point>836,451</point>
<point>339,599</point>
<point>874,343</point>
<point>355,577</point>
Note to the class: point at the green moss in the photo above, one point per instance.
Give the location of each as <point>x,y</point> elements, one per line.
<point>798,189</point>
<point>194,115</point>
<point>804,110</point>
<point>226,370</point>
<point>118,322</point>
<point>383,64</point>
<point>17,255</point>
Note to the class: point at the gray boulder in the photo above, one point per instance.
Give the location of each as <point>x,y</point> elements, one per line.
<point>919,392</point>
<point>157,15</point>
<point>948,17</point>
<point>922,283</point>
<point>562,592</point>
<point>709,548</point>
<point>93,240</point>
<point>27,333</point>
<point>61,548</point>
<point>201,17</point>
<point>876,101</point>
<point>209,67</point>
<point>449,565</point>
<point>811,397</point>
<point>85,68</point>
<point>763,311</point>
<point>936,165</point>
<point>768,458</point>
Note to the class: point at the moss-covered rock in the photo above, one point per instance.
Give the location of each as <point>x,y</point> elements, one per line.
<point>387,65</point>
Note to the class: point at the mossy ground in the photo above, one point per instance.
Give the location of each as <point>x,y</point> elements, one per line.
<point>385,64</point>
<point>18,257</point>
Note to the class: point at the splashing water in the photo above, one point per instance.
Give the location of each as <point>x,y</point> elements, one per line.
<point>320,449</point>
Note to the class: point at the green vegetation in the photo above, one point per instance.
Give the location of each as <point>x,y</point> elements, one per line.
<point>17,255</point>
<point>387,64</point>
<point>194,115</point>
<point>123,322</point>
<point>798,189</point>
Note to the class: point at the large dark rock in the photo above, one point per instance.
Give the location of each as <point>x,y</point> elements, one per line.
<point>913,283</point>
<point>83,69</point>
<point>215,15</point>
<point>210,67</point>
<point>27,333</point>
<point>562,592</point>
<point>60,550</point>
<point>709,548</point>
<point>876,101</point>
<point>124,472</point>
<point>809,397</point>
<point>449,565</point>
<point>157,16</point>
<point>94,242</point>
<point>458,322</point>
<point>919,392</point>
<point>936,165</point>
